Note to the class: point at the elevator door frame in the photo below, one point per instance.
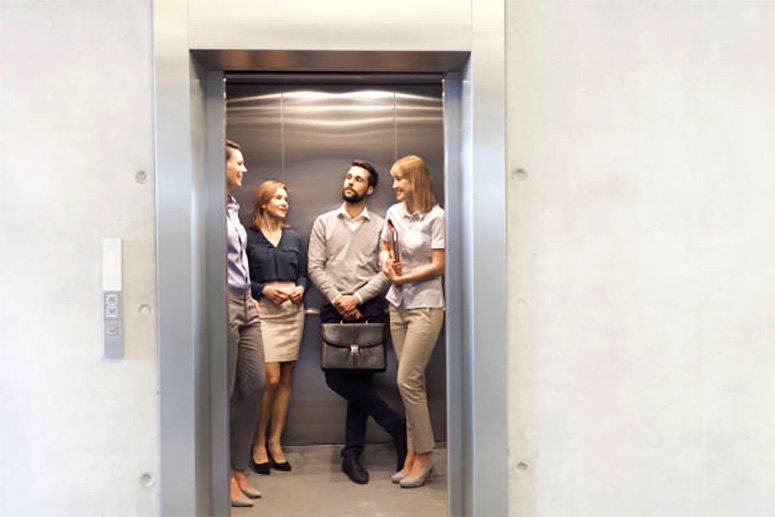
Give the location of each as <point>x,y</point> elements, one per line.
<point>476,346</point>
<point>214,136</point>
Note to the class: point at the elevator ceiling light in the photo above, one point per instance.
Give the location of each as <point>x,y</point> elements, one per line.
<point>359,94</point>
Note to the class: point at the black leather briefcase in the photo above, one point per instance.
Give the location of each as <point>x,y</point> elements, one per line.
<point>353,347</point>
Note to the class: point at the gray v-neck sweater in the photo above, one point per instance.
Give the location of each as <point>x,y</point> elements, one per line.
<point>343,261</point>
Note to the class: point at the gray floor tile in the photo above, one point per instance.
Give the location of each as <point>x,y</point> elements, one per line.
<point>318,487</point>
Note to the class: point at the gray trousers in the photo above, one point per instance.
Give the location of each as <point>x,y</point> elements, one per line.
<point>414,333</point>
<point>246,366</point>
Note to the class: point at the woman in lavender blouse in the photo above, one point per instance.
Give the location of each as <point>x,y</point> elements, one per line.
<point>245,348</point>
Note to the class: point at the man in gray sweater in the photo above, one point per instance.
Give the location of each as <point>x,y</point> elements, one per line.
<point>344,265</point>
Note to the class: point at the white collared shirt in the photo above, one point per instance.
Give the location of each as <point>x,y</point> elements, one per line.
<point>419,234</point>
<point>353,223</point>
<point>343,260</point>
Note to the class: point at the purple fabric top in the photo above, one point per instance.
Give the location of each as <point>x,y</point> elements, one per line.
<point>237,272</point>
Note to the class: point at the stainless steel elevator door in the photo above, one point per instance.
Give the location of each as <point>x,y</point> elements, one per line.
<point>306,136</point>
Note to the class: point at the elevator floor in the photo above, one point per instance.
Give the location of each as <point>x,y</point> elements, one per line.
<point>318,487</point>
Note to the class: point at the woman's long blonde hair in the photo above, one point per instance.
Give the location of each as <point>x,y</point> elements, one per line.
<point>263,194</point>
<point>416,171</point>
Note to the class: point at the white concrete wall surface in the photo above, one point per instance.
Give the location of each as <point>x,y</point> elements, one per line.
<point>640,278</point>
<point>641,281</point>
<point>343,24</point>
<point>77,432</point>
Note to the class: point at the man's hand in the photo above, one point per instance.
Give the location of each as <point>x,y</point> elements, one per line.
<point>355,314</point>
<point>275,294</point>
<point>346,303</point>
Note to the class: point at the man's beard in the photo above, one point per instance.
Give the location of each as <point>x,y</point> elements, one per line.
<point>354,197</point>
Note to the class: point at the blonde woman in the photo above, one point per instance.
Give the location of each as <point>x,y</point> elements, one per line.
<point>412,257</point>
<point>278,273</point>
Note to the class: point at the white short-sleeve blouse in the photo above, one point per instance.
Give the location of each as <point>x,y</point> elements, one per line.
<point>418,234</point>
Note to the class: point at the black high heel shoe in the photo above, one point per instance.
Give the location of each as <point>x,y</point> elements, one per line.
<point>284,466</point>
<point>264,468</point>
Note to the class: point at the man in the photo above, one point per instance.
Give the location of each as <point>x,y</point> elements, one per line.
<point>344,266</point>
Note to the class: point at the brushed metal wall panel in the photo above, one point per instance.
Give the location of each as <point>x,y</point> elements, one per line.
<point>306,136</point>
<point>420,116</point>
<point>327,127</point>
<point>253,121</point>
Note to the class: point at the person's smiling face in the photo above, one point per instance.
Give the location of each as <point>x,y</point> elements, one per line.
<point>402,186</point>
<point>277,207</point>
<point>235,169</point>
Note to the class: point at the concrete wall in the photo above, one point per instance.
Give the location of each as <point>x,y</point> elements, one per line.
<point>640,295</point>
<point>77,432</point>
<point>641,283</point>
<point>344,24</point>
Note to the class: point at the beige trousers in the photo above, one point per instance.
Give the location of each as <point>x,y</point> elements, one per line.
<point>414,333</point>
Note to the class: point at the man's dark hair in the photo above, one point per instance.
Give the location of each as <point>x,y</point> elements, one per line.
<point>373,174</point>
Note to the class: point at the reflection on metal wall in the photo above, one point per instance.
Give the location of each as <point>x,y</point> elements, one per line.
<point>306,136</point>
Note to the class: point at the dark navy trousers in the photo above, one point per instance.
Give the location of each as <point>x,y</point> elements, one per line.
<point>363,401</point>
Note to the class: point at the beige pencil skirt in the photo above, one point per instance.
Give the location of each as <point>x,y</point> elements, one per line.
<point>281,329</point>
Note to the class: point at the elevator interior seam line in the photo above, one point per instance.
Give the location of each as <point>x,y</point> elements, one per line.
<point>282,136</point>
<point>395,124</point>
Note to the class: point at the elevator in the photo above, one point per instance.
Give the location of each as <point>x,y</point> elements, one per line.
<point>192,65</point>
<point>304,131</point>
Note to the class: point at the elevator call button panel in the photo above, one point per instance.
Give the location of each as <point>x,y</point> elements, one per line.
<point>112,310</point>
